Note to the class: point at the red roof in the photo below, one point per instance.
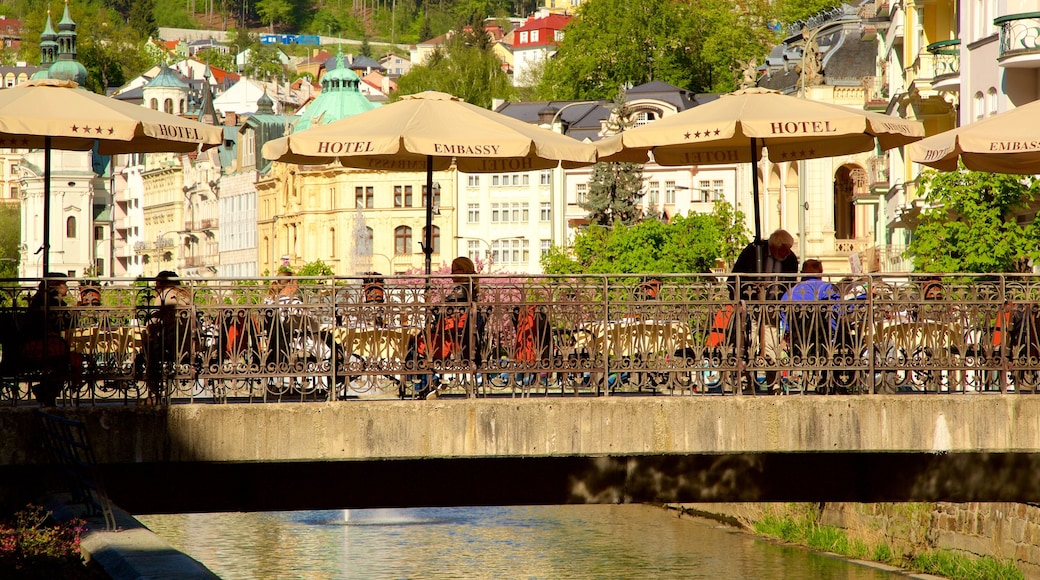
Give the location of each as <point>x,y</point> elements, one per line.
<point>550,22</point>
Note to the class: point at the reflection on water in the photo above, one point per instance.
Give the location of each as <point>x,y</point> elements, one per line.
<point>581,541</point>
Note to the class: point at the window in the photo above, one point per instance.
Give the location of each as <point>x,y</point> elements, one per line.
<point>523,37</point>
<point>653,190</point>
<point>516,212</point>
<point>525,179</point>
<point>717,192</point>
<point>516,179</point>
<point>494,213</point>
<point>332,242</point>
<point>525,213</point>
<point>168,106</point>
<point>546,245</point>
<point>435,241</point>
<point>701,192</point>
<point>653,197</point>
<point>670,199</point>
<point>534,36</point>
<point>402,240</point>
<point>473,213</point>
<point>70,227</point>
<point>991,96</point>
<point>545,214</point>
<point>473,249</point>
<point>979,106</point>
<point>99,233</point>
<point>494,180</point>
<point>473,181</point>
<point>669,189</point>
<point>581,193</point>
<point>545,178</point>
<point>644,117</point>
<point>364,197</point>
<point>436,196</point>
<point>402,196</point>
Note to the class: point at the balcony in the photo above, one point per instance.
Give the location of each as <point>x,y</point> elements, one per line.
<point>877,174</point>
<point>946,64</point>
<point>1019,40</point>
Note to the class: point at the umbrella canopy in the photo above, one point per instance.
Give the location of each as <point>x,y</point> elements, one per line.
<point>735,127</point>
<point>428,132</point>
<point>54,114</point>
<point>75,119</point>
<point>1004,143</point>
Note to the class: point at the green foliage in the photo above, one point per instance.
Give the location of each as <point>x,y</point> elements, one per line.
<point>221,60</point>
<point>618,43</point>
<point>10,239</point>
<point>473,74</point>
<point>273,12</point>
<point>690,244</point>
<point>263,62</point>
<point>971,224</point>
<point>790,11</point>
<point>804,528</point>
<point>614,193</point>
<point>315,268</point>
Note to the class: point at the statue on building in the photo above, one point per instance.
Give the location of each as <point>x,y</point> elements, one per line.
<point>749,69</point>
<point>812,64</point>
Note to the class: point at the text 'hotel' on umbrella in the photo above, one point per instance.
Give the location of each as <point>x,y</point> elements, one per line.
<point>799,127</point>
<point>175,132</point>
<point>710,157</point>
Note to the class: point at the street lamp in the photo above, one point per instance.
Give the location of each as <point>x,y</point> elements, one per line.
<point>560,205</point>
<point>487,252</point>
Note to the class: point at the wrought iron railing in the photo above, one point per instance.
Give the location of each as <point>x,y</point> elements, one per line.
<point>235,341</point>
<point>946,60</point>
<point>1019,34</point>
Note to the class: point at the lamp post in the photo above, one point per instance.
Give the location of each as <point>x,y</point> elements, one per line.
<point>487,252</point>
<point>559,205</point>
<point>803,203</point>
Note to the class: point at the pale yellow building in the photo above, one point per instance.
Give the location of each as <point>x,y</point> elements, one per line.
<point>329,213</point>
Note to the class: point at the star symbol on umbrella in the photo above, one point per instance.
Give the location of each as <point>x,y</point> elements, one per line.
<point>697,134</point>
<point>75,129</point>
<point>717,132</point>
<point>111,130</point>
<point>687,135</point>
<point>812,152</point>
<point>98,130</point>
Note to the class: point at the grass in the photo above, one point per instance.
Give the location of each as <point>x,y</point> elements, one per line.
<point>803,529</point>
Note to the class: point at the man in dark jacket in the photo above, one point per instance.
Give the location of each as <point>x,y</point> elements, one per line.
<point>754,280</point>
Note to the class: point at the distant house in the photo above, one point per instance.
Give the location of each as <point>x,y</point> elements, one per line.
<point>395,66</point>
<point>10,32</point>
<point>534,42</point>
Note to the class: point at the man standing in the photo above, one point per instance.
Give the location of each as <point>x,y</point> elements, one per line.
<point>754,280</point>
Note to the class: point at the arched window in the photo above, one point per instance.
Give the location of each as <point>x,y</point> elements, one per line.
<point>993,100</point>
<point>402,240</point>
<point>168,106</point>
<point>332,242</point>
<point>70,227</point>
<point>182,106</point>
<point>436,241</point>
<point>979,106</point>
<point>154,104</point>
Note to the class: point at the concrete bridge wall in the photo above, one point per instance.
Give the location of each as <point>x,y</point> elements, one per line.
<point>512,451</point>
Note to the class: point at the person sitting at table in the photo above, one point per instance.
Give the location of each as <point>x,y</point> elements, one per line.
<point>808,329</point>
<point>283,318</point>
<point>450,327</point>
<point>46,351</point>
<point>931,291</point>
<point>168,332</point>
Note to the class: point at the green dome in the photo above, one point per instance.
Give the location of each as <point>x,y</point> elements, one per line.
<point>340,98</point>
<point>68,70</point>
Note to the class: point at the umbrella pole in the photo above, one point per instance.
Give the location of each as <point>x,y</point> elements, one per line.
<point>754,190</point>
<point>46,205</point>
<point>428,232</point>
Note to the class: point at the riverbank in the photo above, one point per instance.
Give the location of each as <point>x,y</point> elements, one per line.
<point>989,538</point>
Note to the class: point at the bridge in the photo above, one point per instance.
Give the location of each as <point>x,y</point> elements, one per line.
<point>562,389</point>
<point>511,451</point>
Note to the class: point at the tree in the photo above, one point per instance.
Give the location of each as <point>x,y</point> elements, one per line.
<point>690,244</point>
<point>10,239</point>
<point>972,223</point>
<point>615,188</point>
<point>692,45</point>
<point>470,73</point>
<point>275,11</point>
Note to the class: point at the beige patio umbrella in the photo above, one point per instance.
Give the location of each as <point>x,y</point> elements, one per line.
<point>54,114</point>
<point>428,132</point>
<point>735,127</point>
<point>1003,143</point>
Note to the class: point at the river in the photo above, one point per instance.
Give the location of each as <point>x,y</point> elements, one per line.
<point>551,542</point>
